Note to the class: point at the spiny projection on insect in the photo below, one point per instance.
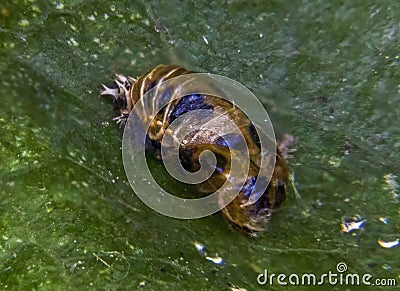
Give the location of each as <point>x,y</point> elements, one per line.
<point>250,217</point>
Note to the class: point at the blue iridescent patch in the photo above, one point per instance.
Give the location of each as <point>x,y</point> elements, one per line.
<point>248,186</point>
<point>151,85</point>
<point>189,103</point>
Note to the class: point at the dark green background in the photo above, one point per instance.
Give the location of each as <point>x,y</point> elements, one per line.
<point>326,71</point>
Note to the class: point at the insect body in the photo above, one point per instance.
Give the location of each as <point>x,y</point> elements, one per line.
<point>242,212</point>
